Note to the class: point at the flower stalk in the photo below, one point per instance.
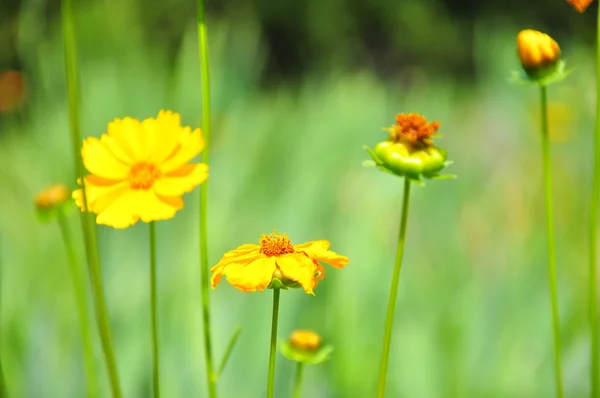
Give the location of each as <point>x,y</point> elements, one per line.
<point>153,305</point>
<point>550,238</point>
<point>273,347</point>
<point>389,320</point>
<point>89,232</point>
<point>298,383</point>
<point>204,273</point>
<point>81,303</point>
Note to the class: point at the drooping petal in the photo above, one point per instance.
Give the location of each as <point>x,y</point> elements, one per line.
<point>164,134</point>
<point>241,255</point>
<point>319,250</point>
<point>129,134</point>
<point>133,205</point>
<point>190,145</point>
<point>182,180</point>
<point>100,193</point>
<point>100,161</point>
<point>248,276</point>
<point>300,268</point>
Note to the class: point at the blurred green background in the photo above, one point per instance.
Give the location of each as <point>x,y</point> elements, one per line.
<point>298,89</point>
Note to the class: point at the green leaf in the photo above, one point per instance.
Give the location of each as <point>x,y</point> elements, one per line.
<point>228,350</point>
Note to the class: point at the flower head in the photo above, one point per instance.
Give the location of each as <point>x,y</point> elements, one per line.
<point>305,340</point>
<point>140,170</point>
<point>580,5</point>
<point>305,347</point>
<point>276,262</point>
<point>409,149</point>
<point>51,201</point>
<point>537,51</point>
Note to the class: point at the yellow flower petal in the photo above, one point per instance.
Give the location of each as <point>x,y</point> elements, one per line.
<point>241,255</point>
<point>190,145</point>
<point>164,134</point>
<point>100,193</point>
<point>100,161</point>
<point>182,180</point>
<point>248,276</point>
<point>318,249</point>
<point>300,268</point>
<point>133,205</point>
<point>129,134</point>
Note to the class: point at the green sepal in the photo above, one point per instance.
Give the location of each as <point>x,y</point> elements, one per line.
<point>542,76</point>
<point>283,283</point>
<point>305,356</point>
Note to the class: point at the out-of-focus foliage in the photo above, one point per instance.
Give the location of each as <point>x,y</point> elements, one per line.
<point>473,316</point>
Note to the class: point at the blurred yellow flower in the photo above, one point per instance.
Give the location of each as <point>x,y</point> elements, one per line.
<point>52,196</point>
<point>305,340</point>
<point>536,49</point>
<point>140,170</point>
<point>254,267</point>
<point>580,5</point>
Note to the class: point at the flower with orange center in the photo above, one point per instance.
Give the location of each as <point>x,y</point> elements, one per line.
<point>254,267</point>
<point>580,5</point>
<point>140,170</point>
<point>413,128</point>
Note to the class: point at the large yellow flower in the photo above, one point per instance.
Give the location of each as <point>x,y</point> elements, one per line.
<point>139,170</point>
<point>253,267</point>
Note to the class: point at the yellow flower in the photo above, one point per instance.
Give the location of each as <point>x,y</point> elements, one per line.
<point>253,267</point>
<point>51,197</point>
<point>536,50</point>
<point>305,340</point>
<point>580,5</point>
<point>140,170</point>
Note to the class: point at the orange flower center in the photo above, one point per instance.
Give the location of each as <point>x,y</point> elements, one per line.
<point>275,245</point>
<point>143,175</point>
<point>412,127</point>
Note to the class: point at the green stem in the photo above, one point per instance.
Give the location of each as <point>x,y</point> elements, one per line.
<point>389,320</point>
<point>204,282</point>
<point>3,387</point>
<point>298,385</point>
<point>155,356</point>
<point>228,350</point>
<point>273,350</point>
<point>82,308</point>
<point>89,231</point>
<point>550,237</point>
<point>593,278</point>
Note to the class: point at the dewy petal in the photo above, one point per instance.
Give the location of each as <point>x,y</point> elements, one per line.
<point>129,134</point>
<point>100,161</point>
<point>133,205</point>
<point>182,180</point>
<point>165,133</point>
<point>318,250</point>
<point>248,276</point>
<point>190,145</point>
<point>300,268</point>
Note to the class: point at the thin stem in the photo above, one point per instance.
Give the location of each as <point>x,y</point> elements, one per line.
<point>550,237</point>
<point>82,307</point>
<point>89,232</point>
<point>228,350</point>
<point>273,350</point>
<point>298,385</point>
<point>389,320</point>
<point>155,357</point>
<point>593,279</point>
<point>3,387</point>
<point>204,279</point>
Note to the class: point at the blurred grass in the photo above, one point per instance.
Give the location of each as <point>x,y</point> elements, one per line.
<point>473,316</point>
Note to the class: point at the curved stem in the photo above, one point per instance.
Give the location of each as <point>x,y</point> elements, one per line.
<point>273,350</point>
<point>155,357</point>
<point>3,386</point>
<point>89,231</point>
<point>298,385</point>
<point>389,320</point>
<point>550,237</point>
<point>82,308</point>
<point>593,278</point>
<point>204,279</point>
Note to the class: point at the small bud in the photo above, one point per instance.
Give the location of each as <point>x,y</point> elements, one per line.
<point>51,197</point>
<point>580,5</point>
<point>281,282</point>
<point>538,52</point>
<point>305,340</point>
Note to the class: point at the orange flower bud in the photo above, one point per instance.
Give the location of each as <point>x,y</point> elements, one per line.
<point>305,340</point>
<point>580,5</point>
<point>51,197</point>
<point>537,50</point>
